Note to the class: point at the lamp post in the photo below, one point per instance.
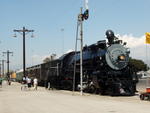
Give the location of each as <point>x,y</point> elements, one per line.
<point>24,31</point>
<point>62,30</point>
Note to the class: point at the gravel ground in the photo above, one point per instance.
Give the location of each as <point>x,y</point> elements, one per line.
<point>13,100</point>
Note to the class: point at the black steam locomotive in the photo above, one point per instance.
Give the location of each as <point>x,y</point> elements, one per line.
<point>105,69</point>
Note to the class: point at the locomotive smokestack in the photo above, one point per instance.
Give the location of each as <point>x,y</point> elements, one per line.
<point>110,36</point>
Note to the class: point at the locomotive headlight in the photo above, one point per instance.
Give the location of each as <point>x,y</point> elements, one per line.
<point>122,57</point>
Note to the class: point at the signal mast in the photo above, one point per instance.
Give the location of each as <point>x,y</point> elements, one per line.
<point>81,18</point>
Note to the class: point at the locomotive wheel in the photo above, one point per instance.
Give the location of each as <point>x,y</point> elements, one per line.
<point>92,89</point>
<point>66,85</point>
<point>142,96</point>
<point>131,91</point>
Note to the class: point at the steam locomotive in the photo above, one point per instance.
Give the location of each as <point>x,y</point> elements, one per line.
<point>106,69</point>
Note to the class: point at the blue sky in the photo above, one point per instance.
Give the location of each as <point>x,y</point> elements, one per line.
<point>48,17</point>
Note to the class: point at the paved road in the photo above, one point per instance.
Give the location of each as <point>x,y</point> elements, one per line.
<point>13,100</point>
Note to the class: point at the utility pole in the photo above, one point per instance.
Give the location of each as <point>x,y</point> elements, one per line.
<point>24,31</point>
<point>8,53</point>
<point>0,70</point>
<point>3,66</point>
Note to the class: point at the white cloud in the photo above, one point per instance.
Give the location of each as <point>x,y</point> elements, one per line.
<point>132,41</point>
<point>70,50</point>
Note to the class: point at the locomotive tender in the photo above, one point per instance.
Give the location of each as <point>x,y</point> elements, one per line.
<point>105,69</point>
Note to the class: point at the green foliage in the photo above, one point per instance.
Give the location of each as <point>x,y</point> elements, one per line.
<point>138,65</point>
<point>47,59</point>
<point>50,58</point>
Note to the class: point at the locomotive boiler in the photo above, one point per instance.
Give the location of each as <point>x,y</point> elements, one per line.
<point>105,69</point>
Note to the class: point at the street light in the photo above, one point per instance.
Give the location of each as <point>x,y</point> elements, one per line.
<point>23,32</point>
<point>62,30</point>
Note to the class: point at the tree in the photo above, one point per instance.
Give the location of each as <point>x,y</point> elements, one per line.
<point>47,59</point>
<point>50,58</point>
<point>138,65</point>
